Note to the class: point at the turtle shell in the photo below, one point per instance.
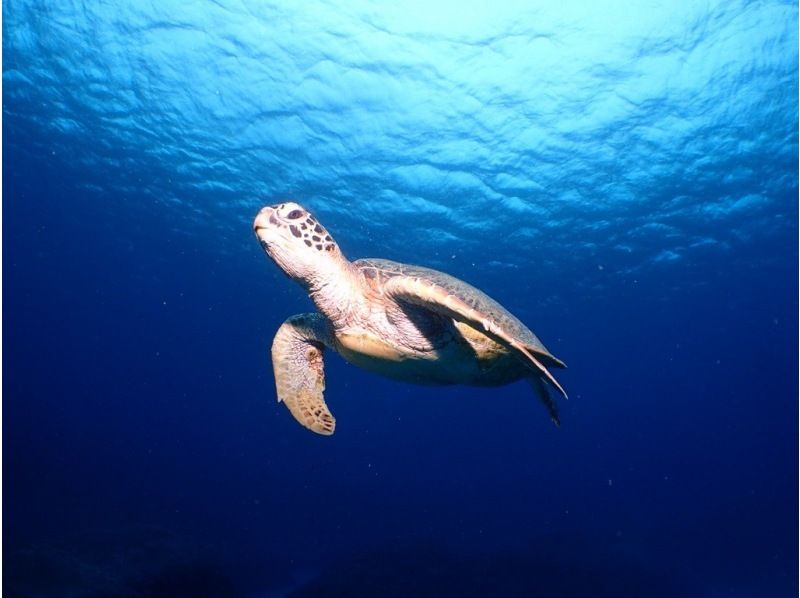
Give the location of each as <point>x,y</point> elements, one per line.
<point>379,271</point>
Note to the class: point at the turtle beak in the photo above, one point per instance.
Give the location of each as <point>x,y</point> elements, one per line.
<point>262,219</point>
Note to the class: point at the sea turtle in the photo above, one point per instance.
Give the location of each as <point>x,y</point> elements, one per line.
<point>405,322</point>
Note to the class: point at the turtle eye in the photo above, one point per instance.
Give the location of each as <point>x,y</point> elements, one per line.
<point>294,214</point>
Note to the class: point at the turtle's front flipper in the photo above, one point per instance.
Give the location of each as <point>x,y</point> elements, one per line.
<point>299,373</point>
<point>475,309</point>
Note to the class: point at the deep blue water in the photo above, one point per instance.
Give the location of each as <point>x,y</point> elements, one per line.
<point>622,176</point>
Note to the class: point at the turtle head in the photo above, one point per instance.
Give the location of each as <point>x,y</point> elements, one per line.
<point>295,241</point>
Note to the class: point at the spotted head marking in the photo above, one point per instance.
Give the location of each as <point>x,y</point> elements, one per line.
<point>294,239</point>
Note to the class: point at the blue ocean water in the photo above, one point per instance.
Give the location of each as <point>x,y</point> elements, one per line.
<point>621,176</point>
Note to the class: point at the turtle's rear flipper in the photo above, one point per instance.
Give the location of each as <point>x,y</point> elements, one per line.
<point>299,374</point>
<point>540,389</point>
